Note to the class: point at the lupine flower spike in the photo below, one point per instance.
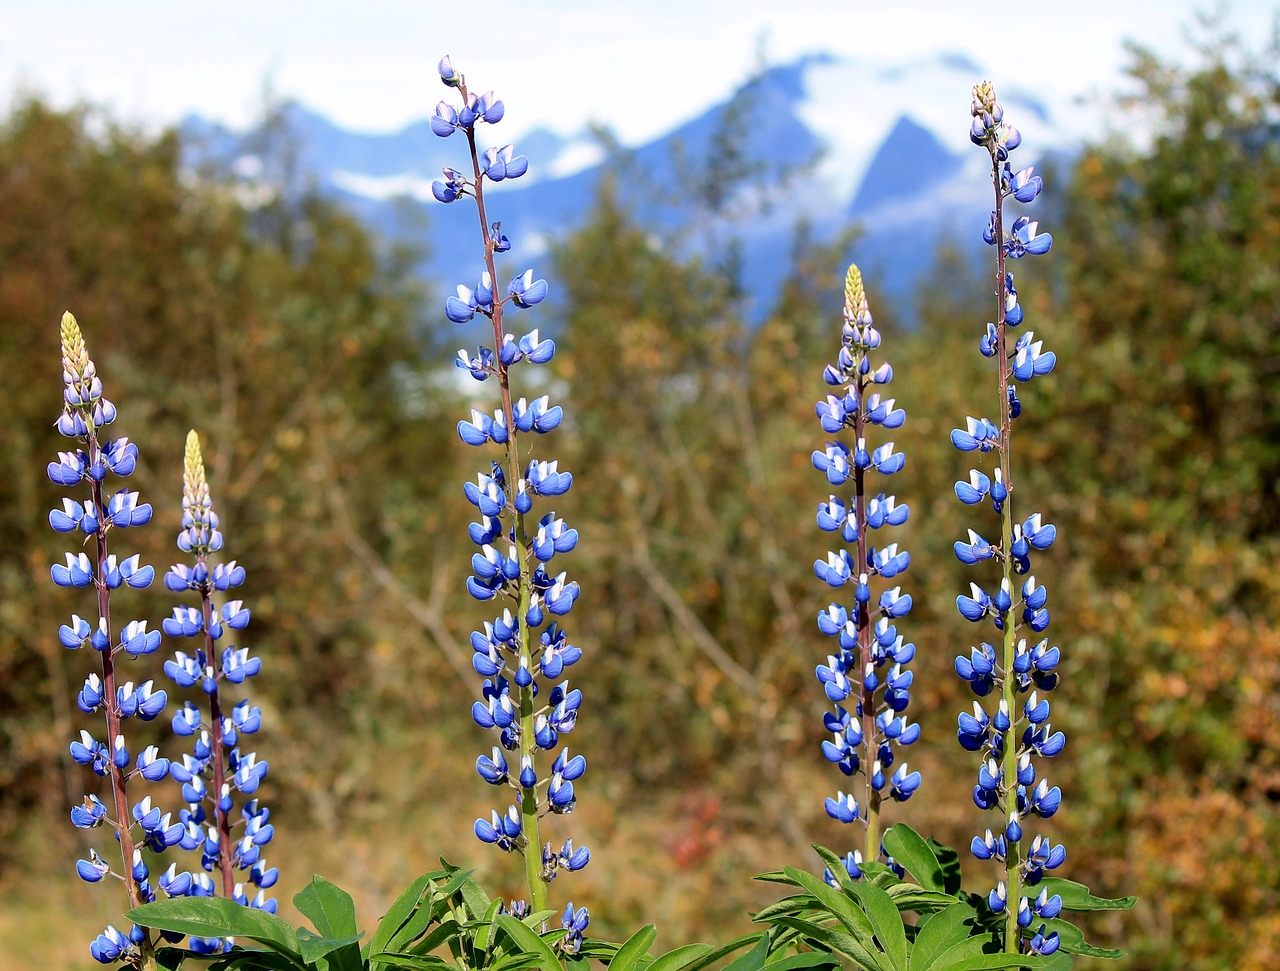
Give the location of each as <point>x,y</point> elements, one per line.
<point>96,462</point>
<point>523,652</point>
<point>215,770</point>
<point>865,677</point>
<point>1010,728</point>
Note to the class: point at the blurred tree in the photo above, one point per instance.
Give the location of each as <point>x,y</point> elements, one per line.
<point>268,320</point>
<point>1162,436</point>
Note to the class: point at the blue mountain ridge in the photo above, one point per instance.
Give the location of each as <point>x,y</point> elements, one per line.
<point>823,139</point>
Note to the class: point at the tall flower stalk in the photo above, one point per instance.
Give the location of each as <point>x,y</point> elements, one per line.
<point>95,462</point>
<point>867,673</point>
<point>522,653</point>
<point>216,769</point>
<point>1010,730</point>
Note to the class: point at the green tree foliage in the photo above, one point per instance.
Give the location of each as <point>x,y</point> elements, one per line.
<point>274,326</point>
<point>262,316</point>
<point>1171,454</point>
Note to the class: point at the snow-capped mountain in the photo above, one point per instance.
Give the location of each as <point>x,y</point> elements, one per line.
<point>825,140</point>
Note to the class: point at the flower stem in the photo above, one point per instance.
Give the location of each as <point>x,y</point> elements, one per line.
<point>119,798</point>
<point>222,819</point>
<point>532,848</point>
<point>1009,769</point>
<point>871,812</point>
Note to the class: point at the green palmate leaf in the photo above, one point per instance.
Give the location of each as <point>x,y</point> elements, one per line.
<point>994,962</point>
<point>831,860</point>
<point>837,904</point>
<point>218,917</point>
<point>797,962</point>
<point>250,960</point>
<point>949,859</point>
<point>474,897</point>
<point>529,941</point>
<point>418,962</point>
<point>517,961</point>
<point>457,880</point>
<point>754,959</point>
<point>940,932</point>
<point>866,956</point>
<point>775,876</point>
<point>171,958</point>
<point>886,920</point>
<point>915,855</point>
<point>405,907</point>
<point>907,896</point>
<point>716,954</point>
<point>1073,941</point>
<point>795,904</point>
<point>634,950</point>
<point>333,913</point>
<point>680,957</point>
<point>1077,897</point>
<point>330,908</point>
<point>315,946</point>
<point>483,930</point>
<point>448,930</point>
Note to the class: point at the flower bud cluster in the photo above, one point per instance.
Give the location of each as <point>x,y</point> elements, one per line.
<point>215,770</point>
<point>1010,732</point>
<point>522,653</point>
<point>94,463</point>
<point>866,677</point>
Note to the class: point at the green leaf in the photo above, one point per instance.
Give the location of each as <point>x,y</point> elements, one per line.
<point>886,920</point>
<point>949,859</point>
<point>1076,897</point>
<point>680,957</point>
<point>330,908</point>
<point>473,895</point>
<point>333,913</point>
<point>787,905</point>
<point>398,914</point>
<point>250,960</point>
<point>171,958</point>
<point>634,949</point>
<point>939,932</point>
<point>994,962</point>
<point>911,851</point>
<point>831,860</point>
<point>484,929</point>
<point>419,962</point>
<point>907,896</point>
<point>754,959</point>
<point>715,954</point>
<point>529,941</point>
<point>218,917</point>
<point>315,946</point>
<point>447,929</point>
<point>829,939</point>
<point>1073,941</point>
<point>837,904</point>
<point>797,962</point>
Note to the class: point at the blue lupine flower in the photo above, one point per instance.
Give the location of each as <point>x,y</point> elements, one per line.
<point>866,673</point>
<point>216,768</point>
<point>1013,735</point>
<point>85,415</point>
<point>503,163</point>
<point>521,652</point>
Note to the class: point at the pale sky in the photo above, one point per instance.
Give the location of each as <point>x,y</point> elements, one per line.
<point>640,67</point>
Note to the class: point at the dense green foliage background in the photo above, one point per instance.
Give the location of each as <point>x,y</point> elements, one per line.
<point>318,374</point>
